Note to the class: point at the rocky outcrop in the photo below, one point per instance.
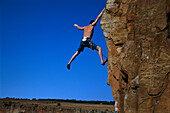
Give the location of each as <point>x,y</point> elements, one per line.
<point>137,34</point>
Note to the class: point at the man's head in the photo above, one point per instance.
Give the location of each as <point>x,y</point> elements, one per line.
<point>91,21</point>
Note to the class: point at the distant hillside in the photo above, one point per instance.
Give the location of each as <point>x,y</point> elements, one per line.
<point>11,105</point>
<point>69,100</point>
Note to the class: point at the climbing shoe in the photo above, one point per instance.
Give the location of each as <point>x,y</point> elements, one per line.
<point>105,62</point>
<point>68,66</point>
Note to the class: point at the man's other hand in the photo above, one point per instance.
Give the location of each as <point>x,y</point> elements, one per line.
<point>75,25</point>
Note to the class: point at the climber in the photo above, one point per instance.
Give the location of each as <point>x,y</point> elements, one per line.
<point>86,40</point>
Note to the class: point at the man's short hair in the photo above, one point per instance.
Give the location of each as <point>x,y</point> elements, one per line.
<point>91,21</point>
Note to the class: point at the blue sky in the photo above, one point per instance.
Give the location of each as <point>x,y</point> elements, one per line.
<point>37,41</point>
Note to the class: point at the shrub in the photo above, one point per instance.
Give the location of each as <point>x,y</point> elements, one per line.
<point>58,104</point>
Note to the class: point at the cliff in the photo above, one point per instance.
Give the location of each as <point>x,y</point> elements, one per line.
<point>137,33</point>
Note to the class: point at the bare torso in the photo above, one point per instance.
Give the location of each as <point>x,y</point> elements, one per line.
<point>88,31</point>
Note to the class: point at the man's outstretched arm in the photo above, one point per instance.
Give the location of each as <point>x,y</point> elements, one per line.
<point>98,17</point>
<point>81,28</point>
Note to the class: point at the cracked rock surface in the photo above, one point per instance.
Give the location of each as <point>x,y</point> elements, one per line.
<point>137,33</point>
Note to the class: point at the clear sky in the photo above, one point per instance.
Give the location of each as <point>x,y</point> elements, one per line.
<point>37,41</point>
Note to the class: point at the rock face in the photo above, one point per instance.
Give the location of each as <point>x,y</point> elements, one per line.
<point>137,34</point>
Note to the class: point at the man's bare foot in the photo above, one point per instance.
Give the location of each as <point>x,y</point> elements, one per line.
<point>68,66</point>
<point>105,62</point>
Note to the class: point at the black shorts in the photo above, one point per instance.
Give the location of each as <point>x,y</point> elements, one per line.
<point>88,43</point>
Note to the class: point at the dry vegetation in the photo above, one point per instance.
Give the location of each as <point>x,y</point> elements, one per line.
<point>54,106</point>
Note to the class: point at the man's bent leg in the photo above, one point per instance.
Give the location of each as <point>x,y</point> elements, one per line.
<point>99,49</point>
<point>72,58</point>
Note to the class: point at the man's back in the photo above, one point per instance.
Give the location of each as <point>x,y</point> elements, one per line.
<point>88,31</point>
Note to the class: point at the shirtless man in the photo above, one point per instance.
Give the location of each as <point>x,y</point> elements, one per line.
<point>86,40</point>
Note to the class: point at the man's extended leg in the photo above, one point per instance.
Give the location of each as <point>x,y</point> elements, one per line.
<point>99,49</point>
<point>72,58</point>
